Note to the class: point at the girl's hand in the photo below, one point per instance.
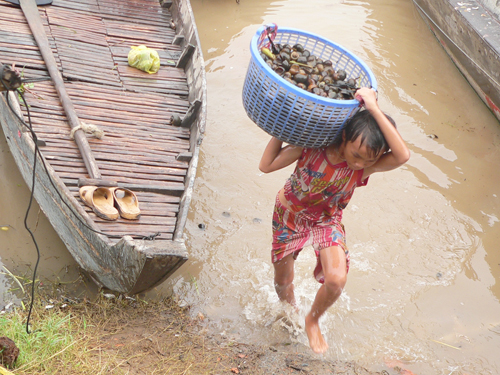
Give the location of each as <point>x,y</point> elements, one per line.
<point>368,97</point>
<point>398,153</point>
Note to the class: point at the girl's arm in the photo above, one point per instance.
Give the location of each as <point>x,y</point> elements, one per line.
<point>276,157</point>
<point>399,152</point>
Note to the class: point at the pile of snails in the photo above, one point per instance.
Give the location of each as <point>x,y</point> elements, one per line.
<point>302,69</point>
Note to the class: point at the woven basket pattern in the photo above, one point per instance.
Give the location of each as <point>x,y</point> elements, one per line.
<point>289,113</point>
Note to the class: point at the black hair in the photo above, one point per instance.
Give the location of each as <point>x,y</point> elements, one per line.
<point>364,124</point>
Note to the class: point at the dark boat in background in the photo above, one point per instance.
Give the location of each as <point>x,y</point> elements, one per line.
<point>469,31</point>
<point>142,150</point>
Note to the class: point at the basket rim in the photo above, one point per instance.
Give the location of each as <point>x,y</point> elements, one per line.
<point>254,50</point>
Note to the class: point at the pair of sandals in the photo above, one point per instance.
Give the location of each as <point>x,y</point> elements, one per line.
<point>111,203</point>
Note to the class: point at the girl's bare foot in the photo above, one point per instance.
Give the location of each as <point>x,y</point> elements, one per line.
<point>316,340</point>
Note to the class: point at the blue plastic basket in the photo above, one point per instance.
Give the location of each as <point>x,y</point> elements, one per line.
<point>289,113</point>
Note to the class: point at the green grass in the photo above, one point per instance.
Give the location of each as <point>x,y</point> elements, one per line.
<point>120,336</point>
<point>49,341</point>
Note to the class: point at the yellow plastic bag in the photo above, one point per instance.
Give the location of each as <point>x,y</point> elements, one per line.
<point>144,58</point>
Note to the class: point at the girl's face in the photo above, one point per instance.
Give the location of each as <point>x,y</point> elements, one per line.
<point>358,156</point>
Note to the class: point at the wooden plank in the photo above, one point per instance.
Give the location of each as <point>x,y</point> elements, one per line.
<point>165,236</point>
<point>132,106</point>
<point>12,42</point>
<point>147,211</point>
<point>166,73</point>
<point>160,142</point>
<point>47,123</point>
<point>145,35</point>
<point>122,158</point>
<point>137,177</point>
<point>54,140</point>
<point>121,96</point>
<point>139,29</point>
<point>144,13</point>
<point>82,57</point>
<point>147,127</point>
<point>89,78</point>
<point>68,44</point>
<point>140,87</point>
<point>156,141</point>
<point>71,19</point>
<point>149,170</point>
<point>112,91</point>
<point>101,73</point>
<point>92,91</point>
<point>167,188</point>
<point>70,161</point>
<point>133,227</point>
<point>154,200</point>
<point>146,184</point>
<point>146,220</point>
<point>141,112</point>
<point>95,39</point>
<point>75,23</point>
<point>186,56</point>
<point>168,51</point>
<point>171,185</point>
<point>90,6</point>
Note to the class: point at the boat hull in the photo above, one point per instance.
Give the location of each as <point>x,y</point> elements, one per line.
<point>155,249</point>
<point>129,266</point>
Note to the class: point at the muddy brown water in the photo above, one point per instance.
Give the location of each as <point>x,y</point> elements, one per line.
<point>424,284</point>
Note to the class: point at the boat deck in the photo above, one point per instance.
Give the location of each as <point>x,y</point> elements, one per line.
<point>90,40</point>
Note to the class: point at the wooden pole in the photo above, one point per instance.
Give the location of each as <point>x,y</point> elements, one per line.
<point>30,11</point>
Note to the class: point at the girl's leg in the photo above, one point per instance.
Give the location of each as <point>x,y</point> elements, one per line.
<point>333,261</point>
<point>283,279</point>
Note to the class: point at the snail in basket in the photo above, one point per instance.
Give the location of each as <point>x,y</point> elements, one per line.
<point>302,69</point>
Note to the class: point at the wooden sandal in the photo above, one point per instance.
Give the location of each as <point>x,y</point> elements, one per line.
<point>100,199</point>
<point>126,202</point>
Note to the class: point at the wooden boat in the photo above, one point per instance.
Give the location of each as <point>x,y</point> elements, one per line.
<point>141,149</point>
<point>469,31</point>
